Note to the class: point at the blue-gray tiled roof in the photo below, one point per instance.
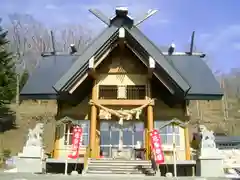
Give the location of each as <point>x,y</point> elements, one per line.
<point>80,64</point>
<point>49,71</point>
<point>192,68</point>
<point>227,139</point>
<point>198,75</point>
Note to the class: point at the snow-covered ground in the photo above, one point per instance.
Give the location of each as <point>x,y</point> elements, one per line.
<point>231,157</point>
<point>231,162</point>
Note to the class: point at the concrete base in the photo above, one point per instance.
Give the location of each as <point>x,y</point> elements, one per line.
<point>32,151</point>
<point>31,160</point>
<point>210,167</point>
<point>30,165</point>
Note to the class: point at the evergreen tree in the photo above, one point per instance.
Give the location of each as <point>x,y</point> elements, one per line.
<point>7,71</point>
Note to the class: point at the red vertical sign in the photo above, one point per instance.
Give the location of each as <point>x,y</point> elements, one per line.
<point>156,145</point>
<point>76,142</point>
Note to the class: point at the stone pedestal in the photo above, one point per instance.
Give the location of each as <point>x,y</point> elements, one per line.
<point>31,160</point>
<point>210,164</point>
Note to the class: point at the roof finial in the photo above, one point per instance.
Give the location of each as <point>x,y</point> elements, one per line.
<point>100,16</point>
<point>121,11</point>
<point>171,49</point>
<point>146,16</point>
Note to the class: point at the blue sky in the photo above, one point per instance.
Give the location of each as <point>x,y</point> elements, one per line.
<point>216,22</point>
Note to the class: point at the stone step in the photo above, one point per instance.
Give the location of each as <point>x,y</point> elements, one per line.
<point>114,171</point>
<point>118,164</point>
<point>120,168</point>
<point>121,160</point>
<point>96,175</point>
<point>135,162</point>
<point>127,166</point>
<point>121,171</point>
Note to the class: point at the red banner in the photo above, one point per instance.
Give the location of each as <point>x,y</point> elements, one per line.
<point>76,142</point>
<point>156,145</point>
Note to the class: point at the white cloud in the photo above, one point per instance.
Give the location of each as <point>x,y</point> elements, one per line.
<point>222,46</point>
<point>204,36</point>
<point>236,46</point>
<point>51,7</point>
<point>79,9</point>
<point>222,38</point>
<point>60,12</point>
<point>163,21</point>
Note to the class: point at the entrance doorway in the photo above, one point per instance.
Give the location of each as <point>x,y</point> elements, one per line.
<point>132,132</point>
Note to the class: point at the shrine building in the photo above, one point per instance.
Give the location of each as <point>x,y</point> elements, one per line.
<point>120,88</point>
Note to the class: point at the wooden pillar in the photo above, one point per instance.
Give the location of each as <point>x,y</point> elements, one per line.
<point>150,126</point>
<point>57,143</point>
<point>98,137</point>
<point>93,123</point>
<point>187,144</point>
<point>186,132</point>
<point>149,123</point>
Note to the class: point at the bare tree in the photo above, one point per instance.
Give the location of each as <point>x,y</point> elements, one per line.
<point>29,38</point>
<point>73,34</point>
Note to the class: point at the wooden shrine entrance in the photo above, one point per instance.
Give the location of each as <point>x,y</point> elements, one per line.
<point>131,134</point>
<point>121,130</point>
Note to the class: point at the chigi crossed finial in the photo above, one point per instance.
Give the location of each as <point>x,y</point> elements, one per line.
<point>121,12</point>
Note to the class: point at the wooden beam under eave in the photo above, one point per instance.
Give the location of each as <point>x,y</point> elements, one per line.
<point>121,44</point>
<point>151,67</point>
<point>91,68</point>
<point>127,102</point>
<point>92,73</point>
<point>150,73</point>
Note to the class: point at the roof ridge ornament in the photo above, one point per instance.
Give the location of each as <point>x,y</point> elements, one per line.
<point>149,14</point>
<point>121,12</point>
<point>100,16</point>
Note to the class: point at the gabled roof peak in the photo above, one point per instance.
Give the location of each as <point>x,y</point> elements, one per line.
<point>121,17</point>
<point>121,11</point>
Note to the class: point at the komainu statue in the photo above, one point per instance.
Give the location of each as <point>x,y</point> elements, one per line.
<point>35,135</point>
<point>207,138</point>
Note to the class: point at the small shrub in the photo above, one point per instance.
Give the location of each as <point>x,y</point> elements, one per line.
<point>6,153</point>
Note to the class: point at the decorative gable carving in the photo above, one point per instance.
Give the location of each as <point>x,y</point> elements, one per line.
<point>122,62</point>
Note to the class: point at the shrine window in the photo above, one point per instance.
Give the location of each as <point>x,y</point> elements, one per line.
<point>167,133</point>
<point>108,92</point>
<point>136,92</point>
<point>122,92</point>
<point>69,132</point>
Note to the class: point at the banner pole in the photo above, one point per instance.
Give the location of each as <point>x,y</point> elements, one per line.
<point>174,151</point>
<point>66,149</point>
